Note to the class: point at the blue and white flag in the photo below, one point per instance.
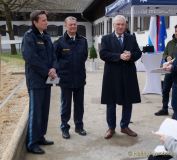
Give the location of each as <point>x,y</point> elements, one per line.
<point>152,38</point>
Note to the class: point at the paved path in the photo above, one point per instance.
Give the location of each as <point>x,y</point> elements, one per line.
<point>94,146</point>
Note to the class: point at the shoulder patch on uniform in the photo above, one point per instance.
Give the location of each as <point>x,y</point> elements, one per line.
<point>83,37</point>
<point>56,40</point>
<point>59,38</point>
<point>29,31</point>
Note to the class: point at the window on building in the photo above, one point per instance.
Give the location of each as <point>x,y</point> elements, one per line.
<point>136,27</point>
<point>3,30</point>
<point>142,23</point>
<point>20,30</point>
<point>109,26</point>
<point>92,30</point>
<point>15,29</point>
<point>167,21</point>
<point>53,30</point>
<point>99,29</point>
<point>102,33</point>
<point>60,30</point>
<point>81,30</point>
<point>145,21</point>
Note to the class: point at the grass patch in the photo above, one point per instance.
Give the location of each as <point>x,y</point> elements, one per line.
<point>12,59</point>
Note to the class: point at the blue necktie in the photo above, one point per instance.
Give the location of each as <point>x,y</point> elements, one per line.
<point>120,40</point>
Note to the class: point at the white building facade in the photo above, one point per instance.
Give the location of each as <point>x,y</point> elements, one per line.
<point>86,25</point>
<point>141,35</point>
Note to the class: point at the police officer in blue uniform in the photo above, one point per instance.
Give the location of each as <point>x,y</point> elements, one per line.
<point>38,53</point>
<point>71,51</point>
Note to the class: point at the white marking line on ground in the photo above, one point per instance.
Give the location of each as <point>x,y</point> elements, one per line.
<point>12,93</point>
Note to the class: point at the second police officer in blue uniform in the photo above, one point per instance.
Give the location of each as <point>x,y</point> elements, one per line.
<point>71,51</point>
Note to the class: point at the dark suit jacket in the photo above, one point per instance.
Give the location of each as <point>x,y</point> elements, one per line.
<point>120,84</point>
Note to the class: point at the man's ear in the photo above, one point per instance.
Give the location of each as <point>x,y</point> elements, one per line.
<point>34,22</point>
<point>65,24</point>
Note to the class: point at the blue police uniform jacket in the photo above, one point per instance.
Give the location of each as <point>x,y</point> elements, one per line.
<point>39,56</point>
<point>71,56</point>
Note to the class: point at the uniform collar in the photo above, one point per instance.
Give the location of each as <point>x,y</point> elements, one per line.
<point>67,37</point>
<point>36,31</point>
<point>74,37</point>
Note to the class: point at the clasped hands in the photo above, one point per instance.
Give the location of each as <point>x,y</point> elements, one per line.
<point>168,65</point>
<point>52,73</point>
<point>125,56</point>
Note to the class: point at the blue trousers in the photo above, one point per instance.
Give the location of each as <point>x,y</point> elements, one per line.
<point>174,100</point>
<point>66,101</point>
<point>111,115</point>
<point>39,103</point>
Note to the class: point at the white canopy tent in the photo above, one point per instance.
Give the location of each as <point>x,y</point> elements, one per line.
<point>142,8</point>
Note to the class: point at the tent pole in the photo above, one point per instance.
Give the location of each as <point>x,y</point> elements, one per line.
<point>132,19</point>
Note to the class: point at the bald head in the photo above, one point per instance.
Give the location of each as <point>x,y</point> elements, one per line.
<point>119,24</point>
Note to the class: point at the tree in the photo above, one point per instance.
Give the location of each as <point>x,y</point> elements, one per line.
<point>93,53</point>
<point>7,7</point>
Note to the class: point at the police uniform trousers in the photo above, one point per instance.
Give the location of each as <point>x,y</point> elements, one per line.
<point>66,101</point>
<point>39,103</point>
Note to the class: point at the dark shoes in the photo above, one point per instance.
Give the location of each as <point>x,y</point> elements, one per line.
<point>109,133</point>
<point>45,142</point>
<point>36,150</point>
<point>162,112</point>
<point>81,131</point>
<point>65,134</point>
<point>129,132</point>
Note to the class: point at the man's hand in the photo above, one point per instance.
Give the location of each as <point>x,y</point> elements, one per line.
<point>126,55</point>
<point>167,66</point>
<point>52,73</point>
<point>169,58</point>
<point>161,136</point>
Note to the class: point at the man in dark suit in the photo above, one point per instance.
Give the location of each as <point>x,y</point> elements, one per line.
<point>119,50</point>
<point>71,51</point>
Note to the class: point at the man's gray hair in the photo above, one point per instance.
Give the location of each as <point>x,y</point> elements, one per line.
<point>70,18</point>
<point>119,17</point>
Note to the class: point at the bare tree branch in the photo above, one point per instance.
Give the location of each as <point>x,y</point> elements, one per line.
<point>11,3</point>
<point>7,7</point>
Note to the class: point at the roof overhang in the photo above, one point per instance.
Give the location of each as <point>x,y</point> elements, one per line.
<point>142,7</point>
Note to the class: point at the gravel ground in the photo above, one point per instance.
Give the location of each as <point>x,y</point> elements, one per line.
<point>13,109</point>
